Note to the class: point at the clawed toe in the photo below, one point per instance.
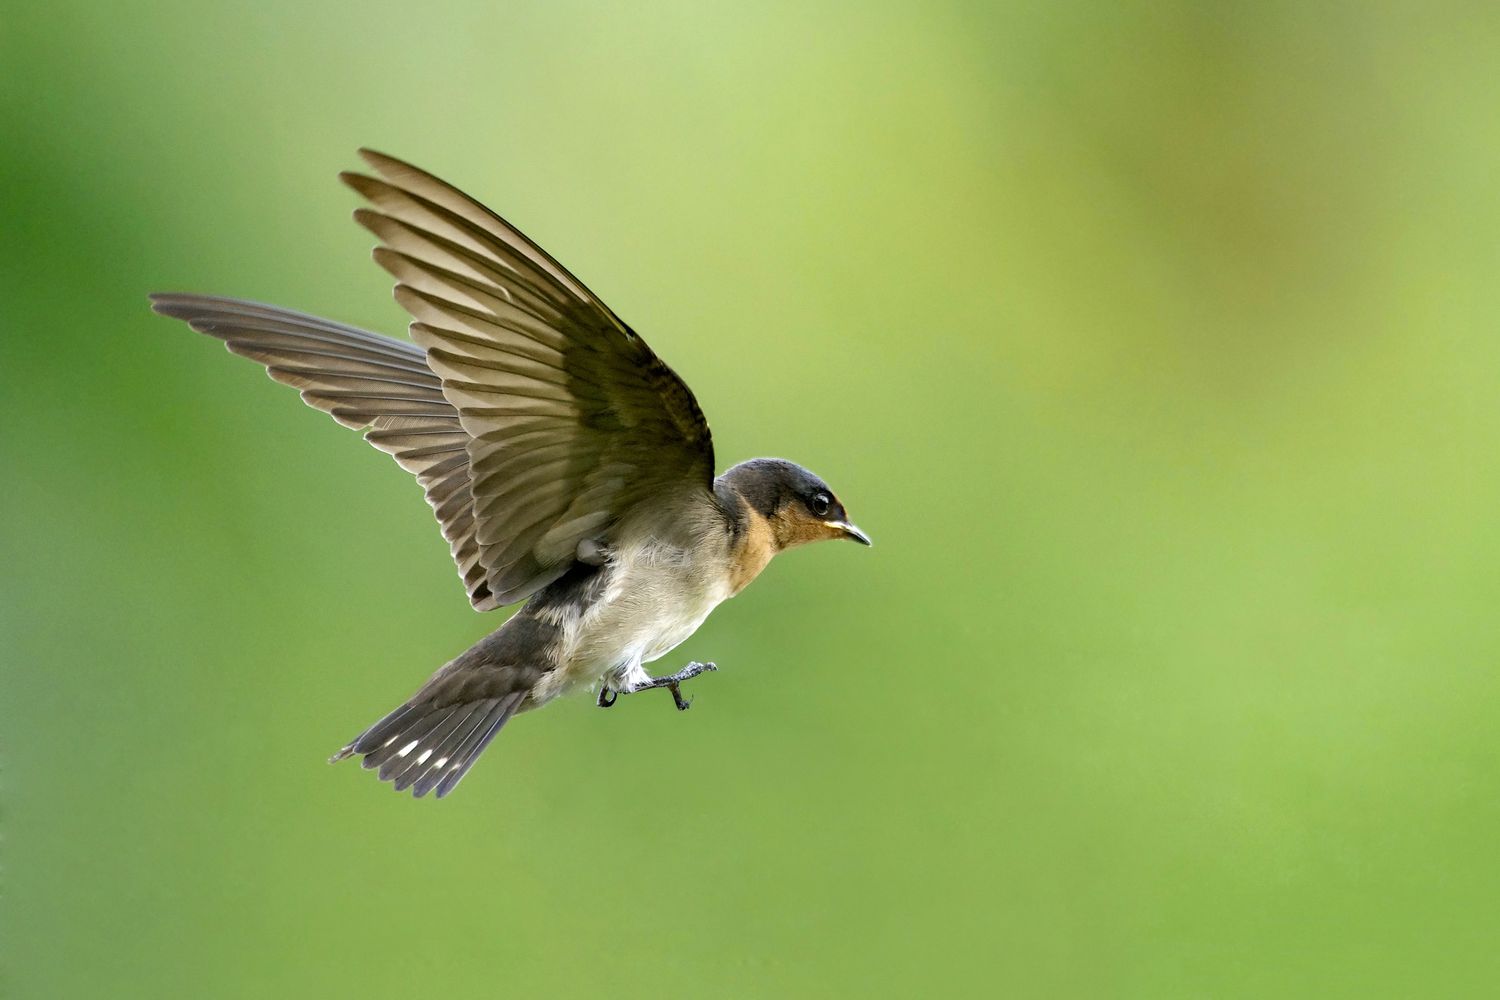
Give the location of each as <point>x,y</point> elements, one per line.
<point>672,682</point>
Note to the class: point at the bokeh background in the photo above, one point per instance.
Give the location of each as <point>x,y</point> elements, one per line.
<point>1157,346</point>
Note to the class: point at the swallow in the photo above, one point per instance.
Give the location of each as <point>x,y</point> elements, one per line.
<point>569,468</point>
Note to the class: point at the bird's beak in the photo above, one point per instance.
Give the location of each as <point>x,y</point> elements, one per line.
<point>851,532</point>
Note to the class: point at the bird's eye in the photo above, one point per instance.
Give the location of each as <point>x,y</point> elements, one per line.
<point>819,504</point>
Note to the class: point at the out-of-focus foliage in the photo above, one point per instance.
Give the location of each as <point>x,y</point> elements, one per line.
<point>1157,346</point>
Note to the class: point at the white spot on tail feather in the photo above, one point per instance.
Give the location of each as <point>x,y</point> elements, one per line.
<point>425,754</point>
<point>407,749</point>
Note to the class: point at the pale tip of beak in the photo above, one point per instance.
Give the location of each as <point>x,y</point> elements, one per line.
<point>851,532</point>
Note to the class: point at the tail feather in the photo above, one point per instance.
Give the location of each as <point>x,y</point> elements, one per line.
<point>395,754</point>
<point>432,740</point>
<point>470,752</point>
<point>423,745</point>
<point>431,747</point>
<point>453,748</point>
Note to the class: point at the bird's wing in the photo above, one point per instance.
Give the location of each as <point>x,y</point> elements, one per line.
<point>364,380</point>
<point>572,421</point>
<point>534,418</point>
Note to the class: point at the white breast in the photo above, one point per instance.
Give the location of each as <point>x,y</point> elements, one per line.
<point>657,596</point>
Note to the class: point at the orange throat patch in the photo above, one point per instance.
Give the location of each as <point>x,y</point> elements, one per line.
<point>754,550</point>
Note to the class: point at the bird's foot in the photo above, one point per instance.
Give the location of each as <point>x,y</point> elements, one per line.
<point>672,682</point>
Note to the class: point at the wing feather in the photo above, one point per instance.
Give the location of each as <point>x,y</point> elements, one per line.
<point>531,415</point>
<point>367,382</point>
<point>511,333</point>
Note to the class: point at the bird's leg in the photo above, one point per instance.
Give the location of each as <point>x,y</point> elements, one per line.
<point>606,697</point>
<point>671,682</point>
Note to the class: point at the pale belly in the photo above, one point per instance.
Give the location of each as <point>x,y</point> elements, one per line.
<point>652,604</point>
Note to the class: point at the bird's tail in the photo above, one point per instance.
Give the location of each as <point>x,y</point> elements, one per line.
<point>426,745</point>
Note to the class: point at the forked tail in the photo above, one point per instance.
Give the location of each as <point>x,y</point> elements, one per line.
<point>424,745</point>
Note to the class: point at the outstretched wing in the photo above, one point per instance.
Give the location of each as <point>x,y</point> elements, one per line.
<point>534,418</point>
<point>571,419</point>
<point>364,380</point>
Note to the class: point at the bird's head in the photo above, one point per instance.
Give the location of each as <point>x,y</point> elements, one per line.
<point>797,505</point>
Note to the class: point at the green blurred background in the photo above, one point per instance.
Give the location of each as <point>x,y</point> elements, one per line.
<point>1155,345</point>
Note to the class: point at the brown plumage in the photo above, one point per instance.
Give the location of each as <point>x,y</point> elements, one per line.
<point>567,466</point>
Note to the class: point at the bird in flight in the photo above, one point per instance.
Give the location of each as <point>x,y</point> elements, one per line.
<point>568,466</point>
